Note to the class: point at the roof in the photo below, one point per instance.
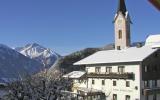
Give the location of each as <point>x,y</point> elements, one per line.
<point>132,54</point>
<point>153,39</point>
<point>122,7</point>
<point>74,74</point>
<point>157,45</point>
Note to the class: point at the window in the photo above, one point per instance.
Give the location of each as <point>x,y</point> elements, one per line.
<point>79,81</point>
<point>120,34</point>
<point>118,48</point>
<point>93,82</point>
<point>114,83</point>
<point>156,55</point>
<point>146,83</point>
<point>154,97</point>
<point>154,83</point>
<point>114,96</point>
<point>127,84</point>
<point>146,97</point>
<point>98,69</point>
<point>108,70</point>
<point>121,69</point>
<point>128,97</point>
<point>149,68</point>
<point>103,82</point>
<point>145,69</point>
<point>155,68</point>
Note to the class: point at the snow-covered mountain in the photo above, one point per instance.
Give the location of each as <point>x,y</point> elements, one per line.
<point>45,56</point>
<point>14,65</point>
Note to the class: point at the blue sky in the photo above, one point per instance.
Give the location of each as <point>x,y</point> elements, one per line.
<point>70,25</point>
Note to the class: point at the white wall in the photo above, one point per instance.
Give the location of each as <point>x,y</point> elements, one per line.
<point>121,90</point>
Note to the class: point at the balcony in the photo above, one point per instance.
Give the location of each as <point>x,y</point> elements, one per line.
<point>111,75</point>
<point>150,91</point>
<point>90,94</point>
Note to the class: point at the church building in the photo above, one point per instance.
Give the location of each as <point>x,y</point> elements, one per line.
<point>125,73</point>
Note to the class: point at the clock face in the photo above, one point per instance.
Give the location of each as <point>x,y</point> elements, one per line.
<point>119,23</point>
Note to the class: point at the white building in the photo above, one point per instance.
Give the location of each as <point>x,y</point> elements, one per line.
<point>126,73</point>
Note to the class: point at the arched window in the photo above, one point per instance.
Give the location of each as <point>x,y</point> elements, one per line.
<point>120,34</point>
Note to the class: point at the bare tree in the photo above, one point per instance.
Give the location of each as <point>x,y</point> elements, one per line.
<point>37,88</point>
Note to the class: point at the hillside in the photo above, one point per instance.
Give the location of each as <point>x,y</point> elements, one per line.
<point>14,65</point>
<point>65,64</point>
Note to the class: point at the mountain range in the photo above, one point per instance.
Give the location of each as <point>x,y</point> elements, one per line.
<point>33,58</point>
<point>14,65</point>
<point>19,62</point>
<point>45,56</point>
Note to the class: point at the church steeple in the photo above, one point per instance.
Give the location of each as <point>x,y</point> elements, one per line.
<point>122,26</point>
<point>122,7</point>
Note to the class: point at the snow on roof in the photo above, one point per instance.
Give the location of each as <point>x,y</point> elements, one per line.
<point>153,39</point>
<point>156,45</point>
<point>132,54</point>
<point>74,74</point>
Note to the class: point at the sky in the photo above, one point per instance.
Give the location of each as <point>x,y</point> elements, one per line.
<point>66,26</point>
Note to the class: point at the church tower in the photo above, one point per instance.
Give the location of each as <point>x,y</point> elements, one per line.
<point>122,27</point>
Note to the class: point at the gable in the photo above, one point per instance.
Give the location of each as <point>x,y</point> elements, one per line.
<point>153,58</point>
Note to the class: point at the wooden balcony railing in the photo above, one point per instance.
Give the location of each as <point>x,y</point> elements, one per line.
<point>150,91</point>
<point>111,75</point>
